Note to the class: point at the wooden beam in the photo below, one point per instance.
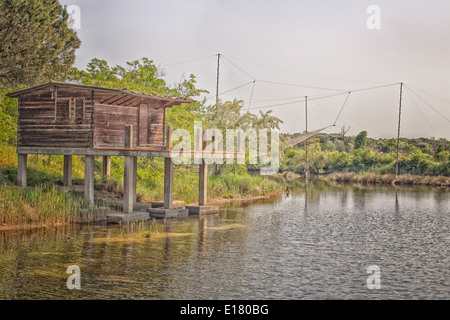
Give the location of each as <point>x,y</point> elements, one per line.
<point>168,183</point>
<point>67,177</point>
<point>125,99</point>
<point>118,152</point>
<point>111,100</point>
<point>106,166</point>
<point>132,102</point>
<point>22,170</point>
<point>169,138</point>
<point>89,179</point>
<point>128,137</point>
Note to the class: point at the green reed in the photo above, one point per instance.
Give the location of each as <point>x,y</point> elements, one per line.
<point>43,204</point>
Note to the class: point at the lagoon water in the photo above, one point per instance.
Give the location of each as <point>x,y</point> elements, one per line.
<point>316,243</point>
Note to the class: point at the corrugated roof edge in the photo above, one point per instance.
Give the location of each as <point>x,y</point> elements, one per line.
<point>67,84</point>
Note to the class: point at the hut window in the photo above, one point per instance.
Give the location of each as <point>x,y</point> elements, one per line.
<point>70,109</point>
<point>80,108</point>
<point>62,108</point>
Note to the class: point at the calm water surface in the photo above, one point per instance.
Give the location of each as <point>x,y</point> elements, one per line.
<point>315,244</point>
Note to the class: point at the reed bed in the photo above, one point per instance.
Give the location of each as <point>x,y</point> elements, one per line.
<point>141,229</point>
<point>41,205</point>
<point>390,179</point>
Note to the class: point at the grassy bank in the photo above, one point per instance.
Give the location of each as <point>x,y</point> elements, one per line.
<point>390,179</point>
<point>39,206</point>
<point>223,186</point>
<point>47,205</point>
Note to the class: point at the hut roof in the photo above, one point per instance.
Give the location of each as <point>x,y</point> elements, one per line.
<point>108,95</point>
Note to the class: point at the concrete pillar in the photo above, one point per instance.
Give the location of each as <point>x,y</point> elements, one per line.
<point>67,178</point>
<point>129,184</point>
<point>203,183</point>
<point>129,174</point>
<point>89,179</point>
<point>22,170</point>
<point>168,183</point>
<point>106,166</point>
<point>203,177</point>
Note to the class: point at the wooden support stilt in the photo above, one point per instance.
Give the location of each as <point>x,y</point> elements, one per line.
<point>168,183</point>
<point>22,170</point>
<point>89,179</point>
<point>67,177</point>
<point>106,166</point>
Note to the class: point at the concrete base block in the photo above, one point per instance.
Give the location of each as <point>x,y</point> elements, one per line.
<point>160,204</point>
<point>142,206</point>
<point>161,213</point>
<point>127,217</point>
<point>196,209</point>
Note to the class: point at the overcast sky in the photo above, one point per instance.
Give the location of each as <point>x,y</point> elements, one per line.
<point>321,43</point>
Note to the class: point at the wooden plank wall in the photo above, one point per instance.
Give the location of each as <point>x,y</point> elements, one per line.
<point>77,124</point>
<point>143,124</point>
<point>156,126</point>
<point>38,126</point>
<point>110,122</point>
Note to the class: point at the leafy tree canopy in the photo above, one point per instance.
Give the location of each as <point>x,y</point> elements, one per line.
<point>230,115</point>
<point>361,140</point>
<point>36,42</point>
<point>140,76</point>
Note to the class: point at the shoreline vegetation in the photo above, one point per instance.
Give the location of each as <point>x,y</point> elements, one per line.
<point>48,206</point>
<point>389,179</point>
<point>51,204</point>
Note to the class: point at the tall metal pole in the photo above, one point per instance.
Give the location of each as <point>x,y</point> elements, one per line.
<point>306,142</point>
<point>398,133</point>
<point>217,86</point>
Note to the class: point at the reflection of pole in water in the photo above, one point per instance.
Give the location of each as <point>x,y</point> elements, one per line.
<point>202,233</point>
<point>306,194</point>
<point>306,141</point>
<point>167,249</point>
<point>397,207</point>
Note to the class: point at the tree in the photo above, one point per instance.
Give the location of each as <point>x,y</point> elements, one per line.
<point>36,41</point>
<point>139,75</point>
<point>345,139</point>
<point>229,115</point>
<point>361,140</point>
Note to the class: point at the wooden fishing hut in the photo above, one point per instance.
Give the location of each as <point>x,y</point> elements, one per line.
<point>59,118</point>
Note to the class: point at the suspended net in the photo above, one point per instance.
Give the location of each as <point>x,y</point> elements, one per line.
<point>304,136</point>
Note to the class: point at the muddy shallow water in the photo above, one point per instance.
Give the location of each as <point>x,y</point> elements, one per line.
<point>316,243</point>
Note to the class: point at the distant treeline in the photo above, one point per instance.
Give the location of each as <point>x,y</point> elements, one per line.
<point>340,153</point>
